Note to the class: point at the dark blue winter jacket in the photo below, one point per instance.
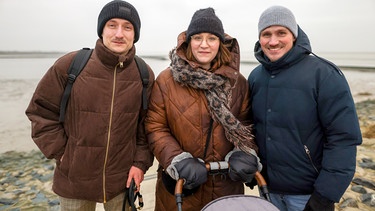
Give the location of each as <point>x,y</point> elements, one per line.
<point>305,121</point>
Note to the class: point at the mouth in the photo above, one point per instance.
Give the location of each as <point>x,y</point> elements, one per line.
<point>118,42</point>
<point>274,49</point>
<point>203,52</point>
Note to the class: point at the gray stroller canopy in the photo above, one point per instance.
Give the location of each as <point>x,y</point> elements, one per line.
<point>240,203</point>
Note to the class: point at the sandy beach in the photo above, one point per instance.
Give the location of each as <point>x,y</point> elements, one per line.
<point>15,127</point>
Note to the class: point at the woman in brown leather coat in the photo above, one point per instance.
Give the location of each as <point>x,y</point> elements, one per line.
<point>197,114</point>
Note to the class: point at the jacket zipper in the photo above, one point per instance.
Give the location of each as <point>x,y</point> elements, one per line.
<point>109,131</point>
<point>309,156</point>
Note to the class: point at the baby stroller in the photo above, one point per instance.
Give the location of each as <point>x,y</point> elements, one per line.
<point>232,202</point>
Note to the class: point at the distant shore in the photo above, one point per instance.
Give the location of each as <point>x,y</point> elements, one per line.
<point>53,54</point>
<point>362,61</point>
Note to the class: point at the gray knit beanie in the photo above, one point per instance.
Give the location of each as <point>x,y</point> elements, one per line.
<point>278,15</point>
<point>205,20</point>
<point>119,9</point>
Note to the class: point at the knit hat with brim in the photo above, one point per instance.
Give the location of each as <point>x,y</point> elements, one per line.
<point>119,9</point>
<point>205,20</point>
<point>278,15</point>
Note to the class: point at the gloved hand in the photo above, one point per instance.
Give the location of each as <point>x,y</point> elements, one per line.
<point>319,203</point>
<point>242,166</point>
<point>193,171</point>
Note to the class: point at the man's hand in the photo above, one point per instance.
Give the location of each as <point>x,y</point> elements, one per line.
<point>138,176</point>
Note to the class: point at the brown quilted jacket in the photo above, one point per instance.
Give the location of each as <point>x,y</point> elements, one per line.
<point>178,121</point>
<point>103,134</point>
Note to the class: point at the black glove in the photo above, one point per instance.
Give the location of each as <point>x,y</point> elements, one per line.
<point>319,203</point>
<point>193,171</point>
<point>242,166</point>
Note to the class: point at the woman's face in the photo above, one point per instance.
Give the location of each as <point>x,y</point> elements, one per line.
<point>204,47</point>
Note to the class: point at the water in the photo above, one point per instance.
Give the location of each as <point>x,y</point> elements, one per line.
<point>35,68</point>
<point>24,68</point>
<point>31,69</point>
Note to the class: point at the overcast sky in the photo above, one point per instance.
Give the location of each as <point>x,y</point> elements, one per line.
<point>66,25</point>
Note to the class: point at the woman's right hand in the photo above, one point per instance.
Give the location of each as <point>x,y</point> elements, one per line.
<point>193,171</point>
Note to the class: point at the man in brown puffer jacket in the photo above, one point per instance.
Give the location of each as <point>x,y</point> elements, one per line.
<point>101,146</point>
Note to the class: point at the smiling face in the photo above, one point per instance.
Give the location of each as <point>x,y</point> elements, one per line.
<point>118,35</point>
<point>204,47</point>
<point>276,41</point>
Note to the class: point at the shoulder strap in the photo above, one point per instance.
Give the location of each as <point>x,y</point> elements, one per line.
<point>143,71</point>
<point>208,137</point>
<point>74,70</point>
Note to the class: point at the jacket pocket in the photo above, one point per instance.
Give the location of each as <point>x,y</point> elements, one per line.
<point>86,163</point>
<point>64,164</point>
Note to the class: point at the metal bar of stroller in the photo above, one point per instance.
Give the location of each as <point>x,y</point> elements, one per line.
<point>221,166</point>
<point>178,193</point>
<point>262,186</point>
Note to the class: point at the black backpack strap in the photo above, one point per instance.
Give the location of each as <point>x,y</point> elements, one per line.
<point>143,71</point>
<point>74,70</point>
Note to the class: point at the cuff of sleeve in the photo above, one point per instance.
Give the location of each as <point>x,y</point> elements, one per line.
<point>140,166</point>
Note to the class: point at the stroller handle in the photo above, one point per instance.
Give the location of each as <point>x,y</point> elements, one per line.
<point>210,166</point>
<point>222,166</point>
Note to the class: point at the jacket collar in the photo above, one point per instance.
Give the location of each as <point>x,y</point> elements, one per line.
<point>111,59</point>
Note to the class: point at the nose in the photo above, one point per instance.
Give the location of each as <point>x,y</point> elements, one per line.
<point>273,40</point>
<point>119,32</point>
<point>204,43</point>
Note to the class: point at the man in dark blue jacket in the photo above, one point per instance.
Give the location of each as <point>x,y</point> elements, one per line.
<point>305,120</point>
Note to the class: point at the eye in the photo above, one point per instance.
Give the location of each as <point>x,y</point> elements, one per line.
<point>265,34</point>
<point>128,27</point>
<point>212,39</point>
<point>111,24</point>
<point>197,38</point>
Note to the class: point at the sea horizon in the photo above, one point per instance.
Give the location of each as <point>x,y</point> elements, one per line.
<point>358,60</point>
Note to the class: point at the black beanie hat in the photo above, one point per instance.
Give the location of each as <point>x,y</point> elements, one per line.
<point>119,9</point>
<point>205,20</point>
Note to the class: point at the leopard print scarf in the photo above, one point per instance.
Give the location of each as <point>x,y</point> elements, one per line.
<point>218,92</point>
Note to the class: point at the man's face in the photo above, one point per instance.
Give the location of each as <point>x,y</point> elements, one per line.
<point>276,41</point>
<point>118,35</point>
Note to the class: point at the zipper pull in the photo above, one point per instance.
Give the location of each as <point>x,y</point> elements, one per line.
<point>121,64</point>
<point>306,150</point>
<point>309,156</point>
